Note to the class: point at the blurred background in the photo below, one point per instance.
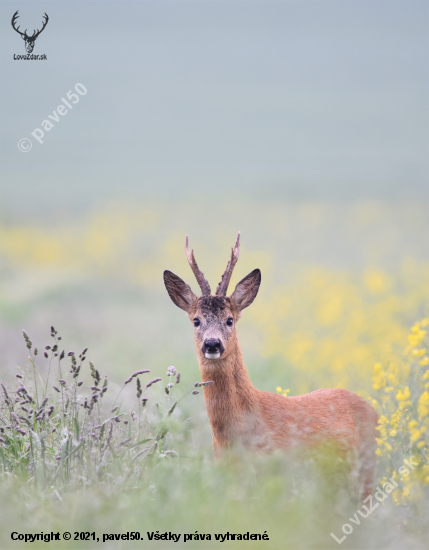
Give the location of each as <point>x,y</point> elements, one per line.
<point>302,124</point>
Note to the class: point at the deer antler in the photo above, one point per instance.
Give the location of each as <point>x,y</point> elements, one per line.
<point>204,285</point>
<point>14,18</point>
<point>226,277</point>
<point>45,22</point>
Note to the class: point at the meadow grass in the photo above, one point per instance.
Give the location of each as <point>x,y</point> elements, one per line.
<point>357,321</point>
<point>68,464</point>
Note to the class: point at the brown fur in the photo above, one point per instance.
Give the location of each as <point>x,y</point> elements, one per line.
<point>240,414</point>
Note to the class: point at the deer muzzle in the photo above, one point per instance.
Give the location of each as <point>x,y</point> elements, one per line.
<point>212,348</point>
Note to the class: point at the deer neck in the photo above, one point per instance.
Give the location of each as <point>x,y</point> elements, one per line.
<point>231,398</point>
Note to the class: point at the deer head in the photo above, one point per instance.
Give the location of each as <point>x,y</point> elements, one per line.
<point>214,317</point>
<point>29,40</point>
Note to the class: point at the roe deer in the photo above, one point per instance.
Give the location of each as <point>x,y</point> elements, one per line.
<point>240,413</point>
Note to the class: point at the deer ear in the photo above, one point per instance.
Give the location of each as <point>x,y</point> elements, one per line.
<point>180,293</point>
<point>246,290</point>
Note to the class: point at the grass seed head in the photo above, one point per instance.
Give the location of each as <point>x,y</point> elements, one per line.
<point>154,381</point>
<point>5,392</point>
<point>144,371</point>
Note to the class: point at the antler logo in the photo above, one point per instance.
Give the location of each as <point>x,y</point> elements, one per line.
<point>29,40</point>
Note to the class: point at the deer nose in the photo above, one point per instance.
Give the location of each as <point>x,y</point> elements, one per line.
<point>212,345</point>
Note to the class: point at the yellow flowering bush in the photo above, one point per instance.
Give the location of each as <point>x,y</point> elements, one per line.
<point>401,398</point>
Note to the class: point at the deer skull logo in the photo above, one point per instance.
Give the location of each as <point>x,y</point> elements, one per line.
<point>29,40</point>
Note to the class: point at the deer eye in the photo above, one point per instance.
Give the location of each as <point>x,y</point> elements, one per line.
<point>230,321</point>
<point>197,322</point>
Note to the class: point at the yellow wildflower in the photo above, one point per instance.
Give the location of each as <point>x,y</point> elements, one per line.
<point>402,396</point>
<point>424,404</point>
<point>379,377</point>
<point>415,328</point>
<point>415,435</point>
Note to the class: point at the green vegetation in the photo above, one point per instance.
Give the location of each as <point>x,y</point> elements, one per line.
<point>346,321</point>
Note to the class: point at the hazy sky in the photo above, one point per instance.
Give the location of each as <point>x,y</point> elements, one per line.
<point>286,99</point>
